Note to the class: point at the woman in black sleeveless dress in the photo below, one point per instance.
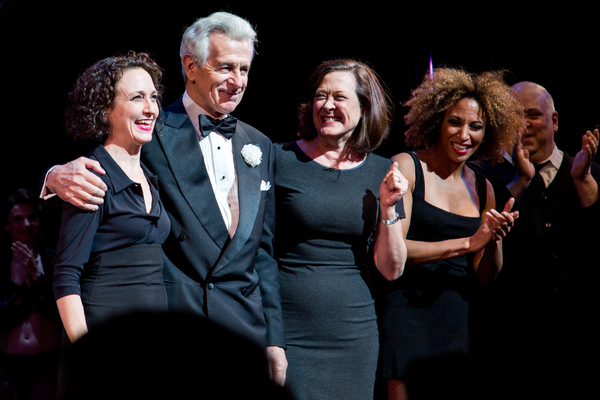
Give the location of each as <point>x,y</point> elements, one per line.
<point>109,262</point>
<point>453,234</point>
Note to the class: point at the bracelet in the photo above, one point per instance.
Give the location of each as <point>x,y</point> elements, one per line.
<point>390,221</point>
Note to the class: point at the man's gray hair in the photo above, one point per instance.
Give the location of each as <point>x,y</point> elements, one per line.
<point>195,40</point>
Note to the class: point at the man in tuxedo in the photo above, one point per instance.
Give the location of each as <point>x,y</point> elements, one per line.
<point>215,176</point>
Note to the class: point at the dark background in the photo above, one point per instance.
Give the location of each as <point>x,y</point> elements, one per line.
<point>45,45</point>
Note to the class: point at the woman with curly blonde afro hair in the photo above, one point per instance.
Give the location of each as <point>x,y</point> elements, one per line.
<point>452,231</point>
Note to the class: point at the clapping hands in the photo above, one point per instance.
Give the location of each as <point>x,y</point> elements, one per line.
<point>583,159</point>
<point>24,268</point>
<point>500,224</point>
<point>496,226</point>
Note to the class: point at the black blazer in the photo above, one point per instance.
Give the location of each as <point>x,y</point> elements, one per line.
<point>233,282</point>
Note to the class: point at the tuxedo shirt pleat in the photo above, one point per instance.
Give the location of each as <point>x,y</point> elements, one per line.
<point>220,166</point>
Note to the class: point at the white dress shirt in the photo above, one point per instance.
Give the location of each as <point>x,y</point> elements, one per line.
<point>549,171</point>
<point>220,166</point>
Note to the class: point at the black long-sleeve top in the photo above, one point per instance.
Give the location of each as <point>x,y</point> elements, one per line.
<point>119,222</point>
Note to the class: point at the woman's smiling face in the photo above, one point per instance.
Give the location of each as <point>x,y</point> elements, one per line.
<point>336,108</point>
<point>135,109</point>
<point>462,130</point>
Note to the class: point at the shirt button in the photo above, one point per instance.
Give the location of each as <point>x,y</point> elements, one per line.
<point>210,286</point>
<point>182,237</point>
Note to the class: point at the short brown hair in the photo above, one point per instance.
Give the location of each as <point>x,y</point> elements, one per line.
<point>375,104</point>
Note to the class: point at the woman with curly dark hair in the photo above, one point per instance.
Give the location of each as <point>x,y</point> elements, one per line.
<point>453,232</point>
<point>109,262</point>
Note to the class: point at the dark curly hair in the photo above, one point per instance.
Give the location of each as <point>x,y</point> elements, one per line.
<point>94,94</point>
<point>375,105</point>
<point>500,106</point>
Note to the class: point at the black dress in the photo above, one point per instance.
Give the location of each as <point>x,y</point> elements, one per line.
<point>112,258</point>
<point>425,312</point>
<point>325,219</point>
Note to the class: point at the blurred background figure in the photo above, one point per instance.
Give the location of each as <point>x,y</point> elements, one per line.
<point>168,356</point>
<point>539,320</point>
<point>30,326</point>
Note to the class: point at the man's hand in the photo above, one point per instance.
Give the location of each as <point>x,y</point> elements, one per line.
<point>74,183</point>
<point>277,364</point>
<point>524,167</point>
<point>583,159</point>
<point>585,184</point>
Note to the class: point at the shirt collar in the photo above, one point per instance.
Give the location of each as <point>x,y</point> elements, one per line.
<point>193,110</point>
<point>119,179</point>
<point>555,158</point>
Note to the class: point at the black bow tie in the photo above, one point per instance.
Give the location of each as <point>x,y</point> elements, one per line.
<point>225,127</point>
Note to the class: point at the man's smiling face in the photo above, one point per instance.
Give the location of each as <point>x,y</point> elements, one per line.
<point>218,86</point>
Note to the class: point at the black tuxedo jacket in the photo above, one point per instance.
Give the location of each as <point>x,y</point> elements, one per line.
<point>232,282</point>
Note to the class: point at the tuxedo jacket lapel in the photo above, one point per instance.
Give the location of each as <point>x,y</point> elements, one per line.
<point>180,143</point>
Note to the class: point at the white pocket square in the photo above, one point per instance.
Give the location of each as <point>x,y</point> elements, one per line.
<point>264,186</point>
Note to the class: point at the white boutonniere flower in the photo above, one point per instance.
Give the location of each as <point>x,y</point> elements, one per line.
<point>252,155</point>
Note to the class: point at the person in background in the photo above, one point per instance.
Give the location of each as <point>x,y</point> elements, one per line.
<point>541,311</point>
<point>30,328</point>
<point>453,233</point>
<point>334,199</point>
